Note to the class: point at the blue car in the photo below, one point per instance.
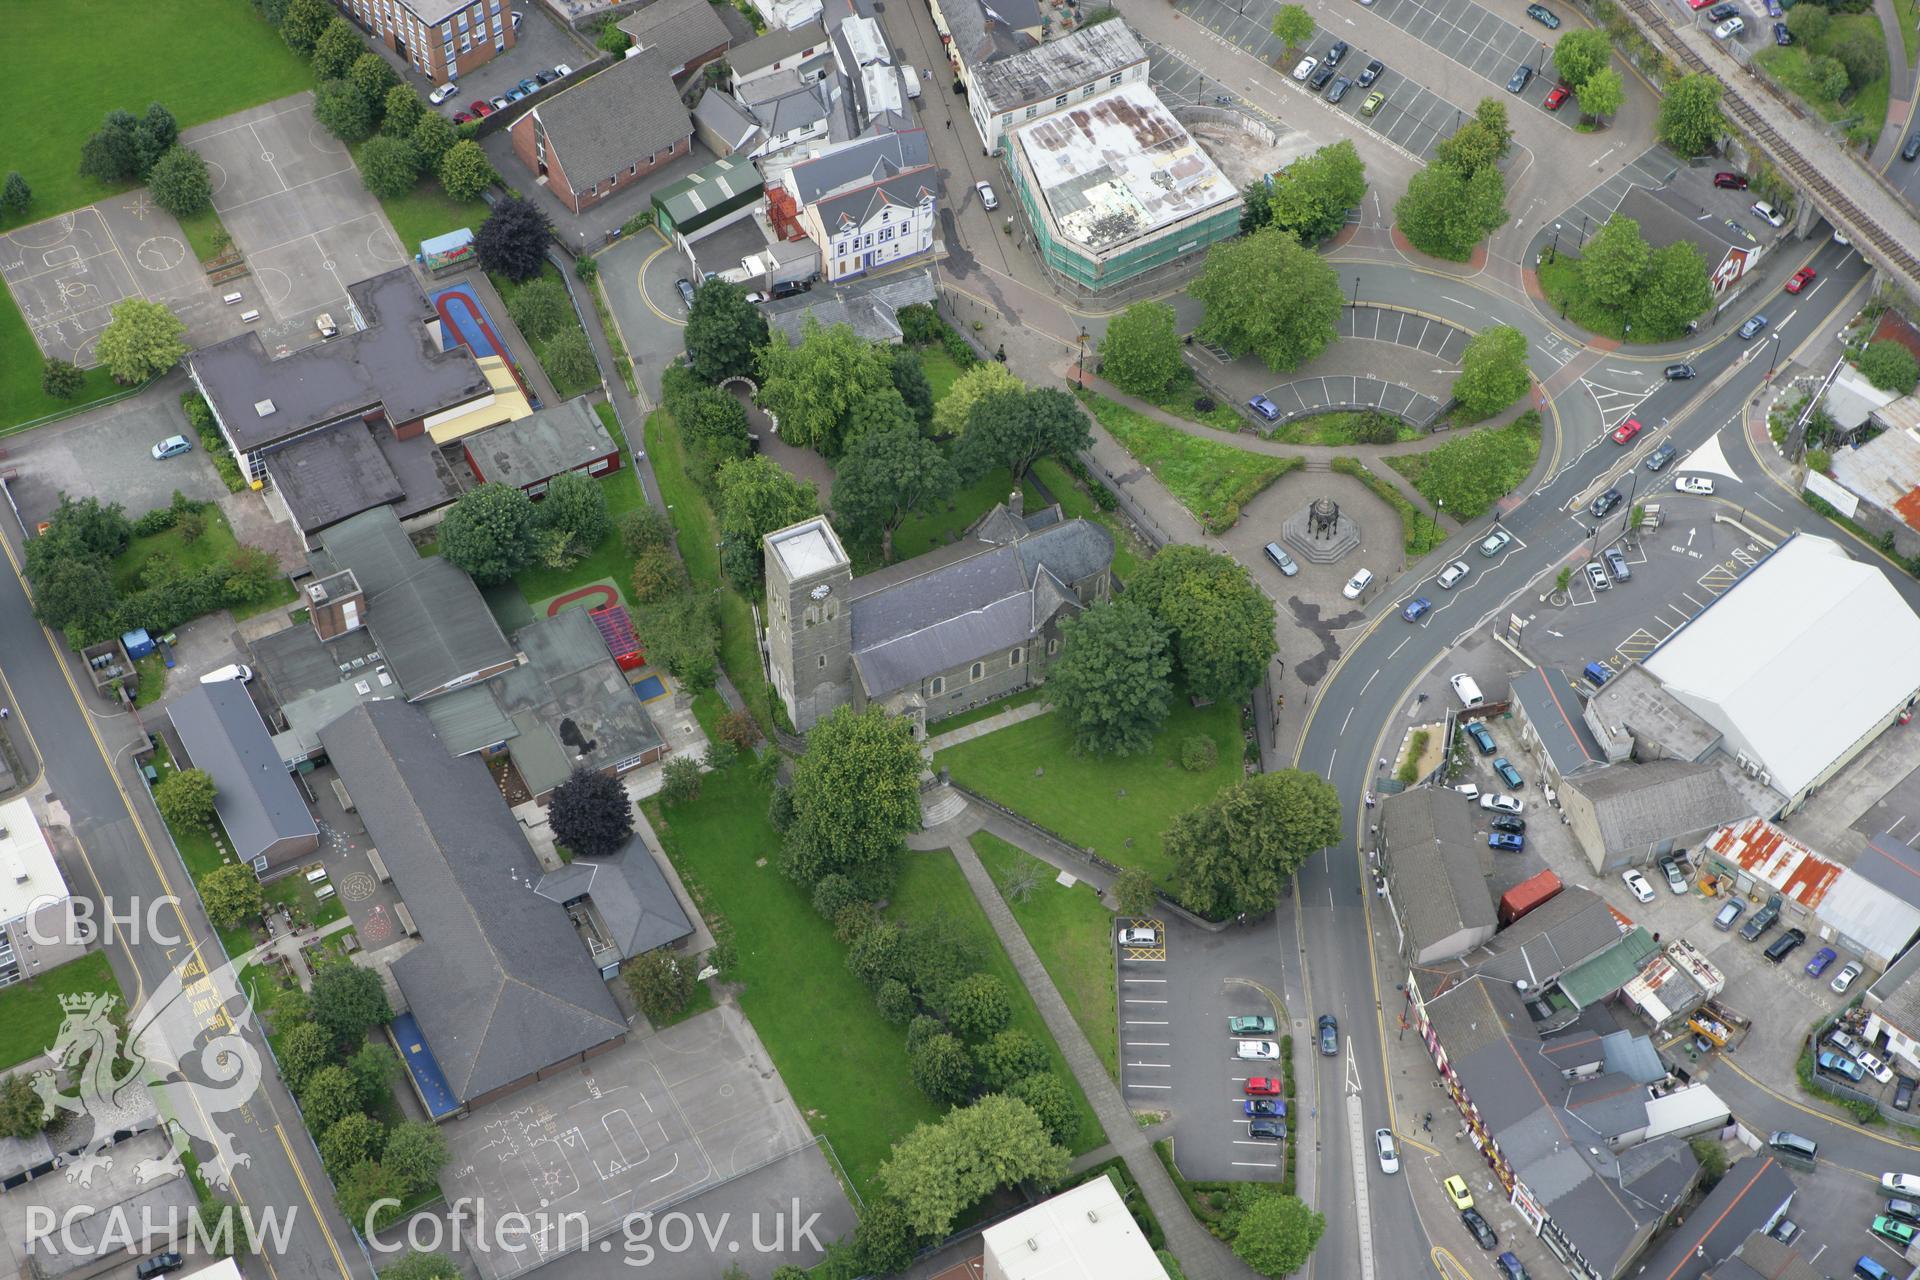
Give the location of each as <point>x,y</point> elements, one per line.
<point>1841,1064</point>
<point>1268,1107</point>
<point>1416,608</point>
<point>1265,408</point>
<point>1481,738</point>
<point>1507,840</point>
<point>1821,959</point>
<point>1508,774</point>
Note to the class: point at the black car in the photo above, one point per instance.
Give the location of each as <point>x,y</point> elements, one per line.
<point>788,288</point>
<point>1482,1233</point>
<point>1509,824</point>
<point>1903,1096</point>
<point>546,77</point>
<point>1781,947</point>
<point>1721,12</point>
<point>1522,74</point>
<point>1329,1036</point>
<point>158,1265</point>
<point>1544,16</point>
<point>1679,372</point>
<point>1606,502</point>
<point>1905,1210</point>
<point>1782,36</point>
<point>1371,72</point>
<point>1912,149</point>
<point>1339,89</point>
<point>1336,53</point>
<point>1318,80</point>
<point>1659,458</point>
<point>1270,1130</point>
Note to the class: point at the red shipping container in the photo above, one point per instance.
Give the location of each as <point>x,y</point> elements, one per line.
<point>1527,895</point>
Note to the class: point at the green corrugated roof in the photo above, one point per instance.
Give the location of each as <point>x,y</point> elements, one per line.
<point>539,758</point>
<point>723,182</point>
<point>469,719</point>
<point>1607,972</point>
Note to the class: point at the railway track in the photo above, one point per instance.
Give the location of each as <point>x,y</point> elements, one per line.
<point>1836,203</point>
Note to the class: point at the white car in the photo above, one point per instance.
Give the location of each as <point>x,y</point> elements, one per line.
<point>1900,1184</point>
<point>1358,583</point>
<point>232,671</point>
<point>562,70</point>
<point>1138,937</point>
<point>1637,885</point>
<point>1694,484</point>
<point>1305,69</point>
<point>444,92</point>
<point>988,200</point>
<point>1768,214</point>
<point>1505,804</point>
<point>1389,1153</point>
<point>1844,979</point>
<point>1452,574</point>
<point>1729,29</point>
<point>1468,790</point>
<point>1874,1067</point>
<point>1262,1050</point>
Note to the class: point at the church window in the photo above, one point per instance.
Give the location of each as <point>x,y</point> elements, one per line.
<point>979,669</point>
<point>1019,656</point>
<point>938,685</point>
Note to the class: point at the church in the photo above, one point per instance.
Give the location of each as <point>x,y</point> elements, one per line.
<point>936,635</point>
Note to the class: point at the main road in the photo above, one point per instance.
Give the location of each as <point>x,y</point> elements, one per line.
<point>1372,685</point>
<point>129,862</point>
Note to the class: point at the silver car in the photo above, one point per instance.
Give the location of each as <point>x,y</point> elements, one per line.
<point>1844,979</point>
<point>1597,576</point>
<point>1389,1153</point>
<point>1452,574</point>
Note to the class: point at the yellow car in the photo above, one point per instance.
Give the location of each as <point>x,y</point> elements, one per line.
<point>1457,1192</point>
<point>1373,103</point>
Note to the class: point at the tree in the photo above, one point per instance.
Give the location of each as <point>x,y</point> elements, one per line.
<point>15,195</point>
<point>1293,26</point>
<point>74,593</point>
<point>330,1097</point>
<point>884,1242</point>
<point>1493,372</point>
<point>1674,291</point>
<point>373,78</point>
<point>1578,53</point>
<point>514,239</point>
<point>612,39</point>
<point>1275,1234</point>
<point>1690,121</point>
<point>757,496</point>
<point>812,387</point>
<point>60,379</point>
<point>590,814</point>
<point>540,308</point>
<point>569,359</point>
<point>143,340</point>
<point>1481,143</point>
<point>421,1266</point>
<point>185,799</point>
<point>1016,429</point>
<point>682,635</point>
<point>375,1068</point>
<point>351,1139</point>
<point>1311,196</point>
<point>680,780</point>
<point>401,111</point>
<point>1240,285</point>
<point>389,166</point>
<point>366,1185</point>
<point>942,1069</point>
<point>856,793</point>
<point>1112,680</point>
<point>251,573</point>
<point>1602,94</point>
<point>644,529</point>
<point>303,23</point>
<point>1221,622</point>
<point>1050,1099</point>
<point>940,1170</point>
<point>660,982</point>
<point>303,1052</point>
<point>575,509</point>
<point>344,111</point>
<point>910,380</point>
<point>713,424</point>
<point>725,332</point>
<point>347,999</point>
<point>465,170</point>
<point>1141,350</point>
<point>1713,1160</point>
<point>951,415</point>
<point>86,527</point>
<point>1614,262</point>
<point>976,1006</point>
<point>1889,366</point>
<point>1256,205</point>
<point>112,153</point>
<point>886,476</point>
<point>415,1151</point>
<point>1234,853</point>
<point>1808,22</point>
<point>231,893</point>
<point>489,532</point>
<point>1007,1057</point>
<point>23,1113</point>
<point>1446,214</point>
<point>657,575</point>
<point>1134,893</point>
<point>1862,52</point>
<point>433,136</point>
<point>334,52</point>
<point>1828,76</point>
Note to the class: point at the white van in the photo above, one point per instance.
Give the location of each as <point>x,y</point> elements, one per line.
<point>912,81</point>
<point>1467,691</point>
<point>232,671</point>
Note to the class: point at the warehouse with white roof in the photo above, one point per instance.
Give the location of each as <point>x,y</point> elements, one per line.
<point>1799,665</point>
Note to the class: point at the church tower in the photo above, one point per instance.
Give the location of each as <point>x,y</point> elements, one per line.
<point>809,619</point>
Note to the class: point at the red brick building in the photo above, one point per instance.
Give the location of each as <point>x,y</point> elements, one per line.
<point>441,39</point>
<point>591,140</point>
<point>529,453</point>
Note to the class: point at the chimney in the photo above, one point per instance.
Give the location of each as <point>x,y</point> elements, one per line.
<point>1016,503</point>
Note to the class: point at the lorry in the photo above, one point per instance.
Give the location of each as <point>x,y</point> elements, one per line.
<point>1527,895</point>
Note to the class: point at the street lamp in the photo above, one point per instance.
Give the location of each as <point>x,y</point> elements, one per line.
<point>1583,232</point>
<point>1083,358</point>
<point>1775,357</point>
<point>1433,520</point>
<point>1356,293</point>
<point>1553,254</point>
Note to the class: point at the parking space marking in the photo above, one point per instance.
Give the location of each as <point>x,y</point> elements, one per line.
<point>1477,39</point>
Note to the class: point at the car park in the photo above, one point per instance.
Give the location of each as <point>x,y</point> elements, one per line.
<point>1694,484</point>
<point>1730,181</point>
<point>1357,584</point>
<point>1388,1151</point>
<point>1874,1067</point>
<point>1264,1107</point>
<point>1900,1184</point>
<point>1501,804</point>
<point>1626,431</point>
<point>1678,372</point>
<point>1762,920</point>
<point>1482,1233</point>
<point>1494,543</point>
<point>1637,885</point>
<point>1730,28</point>
<point>1416,608</point>
<point>1456,1189</point>
<point>1257,1050</point>
<point>1659,458</point>
<point>1481,738</point>
<point>1768,214</point>
<point>1782,36</point>
<point>1337,52</point>
<point>1250,1024</point>
<point>988,200</point>
<point>1304,68</point>
<point>1318,80</point>
<point>1606,502</point>
<point>1339,89</point>
<point>1264,1087</point>
<point>1329,1036</point>
<point>1783,946</point>
<point>1522,74</point>
<point>444,92</point>
<point>1374,102</point>
<point>1800,278</point>
<point>1138,936</point>
<point>685,288</point>
<point>1893,1231</point>
<point>172,447</point>
<point>1675,877</point>
<point>1509,1268</point>
<point>1724,918</point>
<point>1821,959</point>
<point>1556,96</point>
<point>1597,577</point>
<point>1265,408</point>
<point>1841,1065</point>
<point>1267,1130</point>
<point>1844,979</point>
<point>1506,841</point>
<point>1507,822</point>
<point>1753,326</point>
<point>1508,774</point>
<point>1617,567</point>
<point>1371,72</point>
<point>1277,555</point>
<point>1452,574</point>
<point>1544,16</point>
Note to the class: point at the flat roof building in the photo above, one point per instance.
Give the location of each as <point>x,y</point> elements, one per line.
<point>1039,81</point>
<point>529,453</point>
<point>34,900</point>
<point>1084,1233</point>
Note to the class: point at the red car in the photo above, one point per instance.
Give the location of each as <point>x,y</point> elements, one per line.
<point>461,117</point>
<point>1626,431</point>
<point>1263,1087</point>
<point>1556,98</point>
<point>480,108</point>
<point>1800,279</point>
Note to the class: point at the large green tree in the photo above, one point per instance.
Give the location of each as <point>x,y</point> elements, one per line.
<point>1889,366</point>
<point>351,1139</point>
<point>1236,852</point>
<point>433,136</point>
<point>302,23</point>
<point>725,332</point>
<point>1140,352</point>
<point>1493,371</point>
<point>1602,94</point>
<point>15,195</point>
<point>344,111</point>
<point>939,1171</point>
<point>304,1049</point>
<point>335,50</point>
<point>400,111</point>
<point>143,340</point>
<point>330,1096</point>
<point>757,496</point>
<point>348,999</point>
<point>951,415</point>
<point>856,794</point>
<point>74,593</point>
<point>910,380</point>
<point>1674,292</point>
<point>886,476</point>
<point>185,799</point>
<point>1016,429</point>
<point>1112,680</point>
<point>1311,196</point>
<point>178,182</point>
<point>1578,53</point>
<point>23,1113</point>
<point>112,152</point>
<point>465,170</point>
<point>389,167</point>
<point>682,634</point>
<point>1293,26</point>
<point>1221,622</point>
<point>1614,262</point>
<point>1275,1234</point>
<point>489,532</point>
<point>660,982</point>
<point>1808,22</point>
<point>415,1151</point>
<point>1862,51</point>
<point>1242,286</point>
<point>1480,143</point>
<point>1446,214</point>
<point>812,387</point>
<point>1690,121</point>
<point>231,894</point>
<point>574,514</point>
